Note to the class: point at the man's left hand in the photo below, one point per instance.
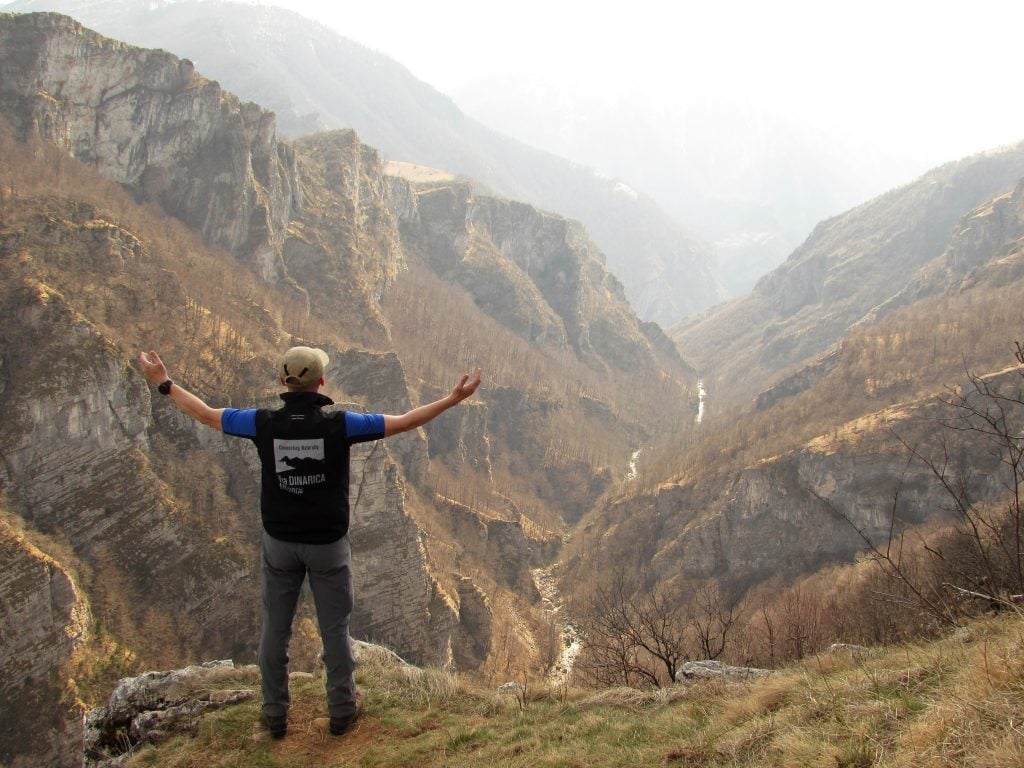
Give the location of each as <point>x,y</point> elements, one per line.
<point>153,367</point>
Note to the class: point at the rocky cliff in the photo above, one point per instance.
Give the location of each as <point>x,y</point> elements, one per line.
<point>152,123</point>
<point>790,514</point>
<point>44,620</point>
<point>534,272</point>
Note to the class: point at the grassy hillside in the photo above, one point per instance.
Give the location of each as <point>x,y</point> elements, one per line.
<point>953,702</point>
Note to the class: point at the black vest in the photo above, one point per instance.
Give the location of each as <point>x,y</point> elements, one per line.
<point>305,458</point>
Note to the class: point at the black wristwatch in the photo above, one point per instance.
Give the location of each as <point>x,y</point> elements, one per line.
<point>165,387</point>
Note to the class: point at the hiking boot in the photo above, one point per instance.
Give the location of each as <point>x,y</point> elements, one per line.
<point>340,725</point>
<point>277,725</point>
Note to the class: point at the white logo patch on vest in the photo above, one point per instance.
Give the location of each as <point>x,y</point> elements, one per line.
<point>299,463</point>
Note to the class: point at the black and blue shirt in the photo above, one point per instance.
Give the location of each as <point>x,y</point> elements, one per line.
<point>304,453</point>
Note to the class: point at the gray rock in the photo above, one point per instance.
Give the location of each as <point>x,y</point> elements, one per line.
<point>155,706</point>
<point>858,651</point>
<point>707,670</point>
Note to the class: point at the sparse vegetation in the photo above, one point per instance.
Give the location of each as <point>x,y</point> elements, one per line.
<point>951,702</point>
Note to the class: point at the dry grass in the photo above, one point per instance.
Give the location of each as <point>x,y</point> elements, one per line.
<point>953,702</point>
<point>417,173</point>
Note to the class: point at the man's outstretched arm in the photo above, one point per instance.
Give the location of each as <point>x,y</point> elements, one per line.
<point>155,370</point>
<point>417,417</point>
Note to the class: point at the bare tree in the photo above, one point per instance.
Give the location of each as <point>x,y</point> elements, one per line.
<point>981,555</point>
<point>634,635</point>
<point>713,619</point>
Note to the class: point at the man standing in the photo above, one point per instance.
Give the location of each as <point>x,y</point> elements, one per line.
<point>304,453</point>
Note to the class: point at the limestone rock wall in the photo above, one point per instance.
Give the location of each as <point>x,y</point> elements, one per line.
<point>535,272</point>
<point>785,516</point>
<point>148,120</point>
<point>44,619</point>
<point>398,603</point>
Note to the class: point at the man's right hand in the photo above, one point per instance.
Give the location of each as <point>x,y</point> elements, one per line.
<point>466,386</point>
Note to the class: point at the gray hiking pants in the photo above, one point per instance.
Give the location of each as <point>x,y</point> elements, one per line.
<point>285,565</point>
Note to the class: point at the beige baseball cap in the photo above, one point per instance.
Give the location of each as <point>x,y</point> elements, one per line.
<point>303,366</point>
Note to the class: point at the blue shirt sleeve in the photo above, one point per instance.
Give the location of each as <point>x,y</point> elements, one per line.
<point>240,423</point>
<point>361,427</point>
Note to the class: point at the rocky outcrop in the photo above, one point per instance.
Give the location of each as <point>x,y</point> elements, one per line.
<point>344,247</point>
<point>716,670</point>
<point>398,602</point>
<point>710,670</point>
<point>502,543</point>
<point>380,379</point>
<point>149,121</point>
<point>981,245</point>
<point>472,644</point>
<point>796,512</point>
<point>799,381</point>
<point>157,706</point>
<point>460,437</point>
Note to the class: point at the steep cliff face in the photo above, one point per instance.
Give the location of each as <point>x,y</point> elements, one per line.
<point>399,603</point>
<point>793,513</point>
<point>147,120</point>
<point>344,248</point>
<point>78,459</point>
<point>982,247</point>
<point>536,273</point>
<point>43,621</point>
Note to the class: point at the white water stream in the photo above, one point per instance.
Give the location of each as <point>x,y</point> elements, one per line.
<point>631,474</point>
<point>569,636</point>
<point>547,585</point>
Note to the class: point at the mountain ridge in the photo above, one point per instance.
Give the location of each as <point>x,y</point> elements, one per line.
<point>850,265</point>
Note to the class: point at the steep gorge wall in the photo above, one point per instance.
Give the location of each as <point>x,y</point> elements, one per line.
<point>849,271</point>
<point>791,514</point>
<point>535,272</point>
<point>44,618</point>
<point>150,122</point>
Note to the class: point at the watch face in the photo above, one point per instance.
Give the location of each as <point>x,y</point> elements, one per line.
<point>165,387</point>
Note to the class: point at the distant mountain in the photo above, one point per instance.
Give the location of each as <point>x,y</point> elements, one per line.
<point>851,270</point>
<point>313,79</point>
<point>748,177</point>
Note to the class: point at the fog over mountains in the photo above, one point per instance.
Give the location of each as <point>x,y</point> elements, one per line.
<point>740,173</point>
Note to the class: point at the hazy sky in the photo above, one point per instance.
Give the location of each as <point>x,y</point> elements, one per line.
<point>939,77</point>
